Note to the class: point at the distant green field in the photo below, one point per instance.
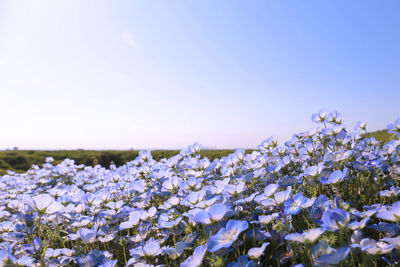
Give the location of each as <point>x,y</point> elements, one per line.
<point>22,160</point>
<point>382,136</point>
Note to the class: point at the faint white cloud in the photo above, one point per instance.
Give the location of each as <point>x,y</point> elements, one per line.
<point>128,38</point>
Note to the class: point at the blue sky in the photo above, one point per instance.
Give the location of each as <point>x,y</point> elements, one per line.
<point>164,74</point>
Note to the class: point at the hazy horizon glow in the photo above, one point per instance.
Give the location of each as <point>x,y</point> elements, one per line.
<point>228,74</point>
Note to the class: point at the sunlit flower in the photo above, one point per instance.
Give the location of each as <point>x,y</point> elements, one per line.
<point>197,257</point>
<point>226,236</point>
<point>310,236</point>
<point>212,214</point>
<point>293,206</point>
<point>257,252</point>
<point>43,203</point>
<point>392,214</point>
<point>334,177</point>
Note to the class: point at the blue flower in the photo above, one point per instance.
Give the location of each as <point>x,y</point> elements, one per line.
<point>257,252</point>
<point>334,177</point>
<point>392,215</point>
<point>243,261</point>
<point>214,213</point>
<point>197,257</point>
<point>226,236</point>
<point>293,206</point>
<point>335,219</point>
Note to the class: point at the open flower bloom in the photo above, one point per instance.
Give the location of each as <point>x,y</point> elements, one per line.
<point>256,253</point>
<point>370,246</point>
<point>359,225</point>
<point>394,127</point>
<point>226,236</point>
<point>392,215</point>
<point>175,252</point>
<point>314,170</point>
<point>151,248</point>
<point>325,255</point>
<point>278,198</point>
<point>132,221</point>
<point>334,177</point>
<point>87,235</point>
<point>392,240</point>
<point>334,219</point>
<point>214,213</point>
<point>293,206</point>
<point>242,261</point>
<point>333,258</point>
<point>43,203</point>
<point>309,236</point>
<point>268,218</point>
<point>197,257</point>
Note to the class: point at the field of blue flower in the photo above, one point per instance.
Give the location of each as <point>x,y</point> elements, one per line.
<point>327,197</point>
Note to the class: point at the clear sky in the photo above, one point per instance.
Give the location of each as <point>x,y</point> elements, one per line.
<point>164,74</point>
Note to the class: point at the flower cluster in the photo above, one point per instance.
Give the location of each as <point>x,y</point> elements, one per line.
<point>328,196</point>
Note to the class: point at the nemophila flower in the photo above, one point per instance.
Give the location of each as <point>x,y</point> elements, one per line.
<point>390,147</point>
<point>394,127</point>
<point>334,177</point>
<point>56,192</point>
<point>356,238</point>
<point>361,126</point>
<point>309,236</point>
<point>26,261</point>
<point>171,183</point>
<point>359,225</point>
<point>191,183</point>
<point>390,240</point>
<point>53,253</point>
<point>314,170</point>
<point>392,214</point>
<point>87,235</point>
<point>278,198</point>
<point>389,229</point>
<point>335,117</point>
<point>231,189</point>
<point>193,198</point>
<point>293,205</point>
<point>373,247</point>
<point>7,226</point>
<point>268,143</point>
<point>43,203</point>
<point>338,155</point>
<point>225,237</point>
<point>392,192</point>
<point>255,253</point>
<point>175,252</point>
<point>170,224</point>
<point>242,261</point>
<point>268,218</point>
<point>333,258</point>
<point>212,214</point>
<point>33,248</point>
<point>218,186</point>
<point>268,191</point>
<point>151,248</point>
<point>94,258</point>
<point>133,220</point>
<point>171,202</point>
<point>321,116</point>
<point>197,257</point>
<point>335,219</point>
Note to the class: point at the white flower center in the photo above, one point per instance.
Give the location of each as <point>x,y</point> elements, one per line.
<point>228,235</point>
